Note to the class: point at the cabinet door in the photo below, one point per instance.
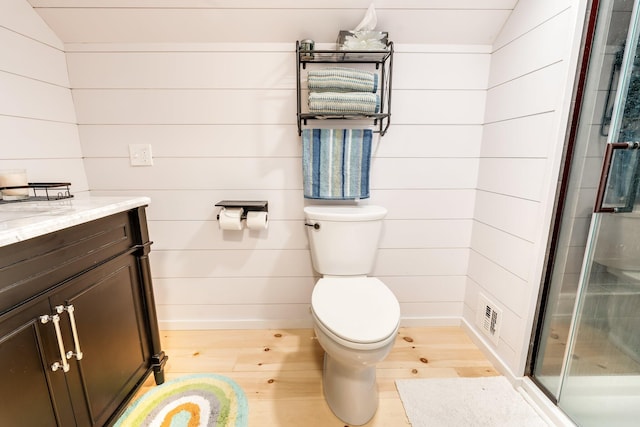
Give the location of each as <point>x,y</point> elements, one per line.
<point>31,393</point>
<point>111,334</point>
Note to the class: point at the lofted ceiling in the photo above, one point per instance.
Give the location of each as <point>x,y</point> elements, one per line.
<point>270,21</point>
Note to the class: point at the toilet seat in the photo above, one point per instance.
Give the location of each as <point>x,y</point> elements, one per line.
<point>357,309</point>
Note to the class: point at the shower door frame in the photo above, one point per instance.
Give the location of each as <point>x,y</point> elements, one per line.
<point>543,297</point>
<point>537,341</point>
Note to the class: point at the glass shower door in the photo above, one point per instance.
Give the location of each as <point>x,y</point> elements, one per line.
<point>601,385</point>
<point>587,354</point>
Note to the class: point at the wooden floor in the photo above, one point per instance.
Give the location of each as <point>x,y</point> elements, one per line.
<point>594,352</point>
<point>281,370</point>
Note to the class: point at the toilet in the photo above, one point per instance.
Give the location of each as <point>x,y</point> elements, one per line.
<point>355,317</point>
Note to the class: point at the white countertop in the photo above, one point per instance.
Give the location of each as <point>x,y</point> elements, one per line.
<point>25,220</point>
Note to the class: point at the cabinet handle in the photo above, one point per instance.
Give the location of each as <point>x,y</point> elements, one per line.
<point>56,325</point>
<point>76,342</point>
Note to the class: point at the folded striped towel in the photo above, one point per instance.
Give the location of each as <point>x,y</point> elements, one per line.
<point>343,103</point>
<point>335,163</point>
<point>341,79</point>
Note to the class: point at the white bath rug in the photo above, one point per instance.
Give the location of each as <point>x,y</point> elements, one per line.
<point>456,402</point>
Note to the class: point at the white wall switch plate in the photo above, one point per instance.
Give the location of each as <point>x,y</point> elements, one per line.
<point>140,155</point>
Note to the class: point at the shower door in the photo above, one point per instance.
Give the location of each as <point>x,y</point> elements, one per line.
<point>601,378</point>
<point>587,351</point>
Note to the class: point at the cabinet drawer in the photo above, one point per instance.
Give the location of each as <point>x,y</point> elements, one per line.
<point>31,267</point>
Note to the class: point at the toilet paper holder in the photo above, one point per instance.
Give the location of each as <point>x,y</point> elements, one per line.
<point>246,205</point>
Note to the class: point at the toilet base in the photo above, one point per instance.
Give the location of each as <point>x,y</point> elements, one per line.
<point>351,391</point>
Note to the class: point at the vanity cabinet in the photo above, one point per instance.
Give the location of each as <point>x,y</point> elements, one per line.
<point>78,328</point>
<point>378,61</point>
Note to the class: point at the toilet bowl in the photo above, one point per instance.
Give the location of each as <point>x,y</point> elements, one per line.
<point>355,317</point>
<point>356,321</point>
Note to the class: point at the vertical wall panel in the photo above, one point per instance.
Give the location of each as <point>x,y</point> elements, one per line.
<point>527,105</point>
<point>38,126</point>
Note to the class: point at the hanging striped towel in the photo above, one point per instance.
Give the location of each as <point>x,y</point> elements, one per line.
<point>335,163</point>
<point>343,103</point>
<point>341,79</point>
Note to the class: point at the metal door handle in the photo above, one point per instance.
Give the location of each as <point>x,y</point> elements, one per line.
<point>72,319</point>
<point>56,325</point>
<point>605,176</point>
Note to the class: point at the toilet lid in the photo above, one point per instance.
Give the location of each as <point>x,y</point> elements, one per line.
<point>356,309</point>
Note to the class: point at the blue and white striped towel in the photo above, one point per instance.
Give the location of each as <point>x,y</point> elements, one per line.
<point>335,163</point>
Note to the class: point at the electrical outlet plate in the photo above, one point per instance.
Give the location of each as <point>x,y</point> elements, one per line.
<point>140,155</point>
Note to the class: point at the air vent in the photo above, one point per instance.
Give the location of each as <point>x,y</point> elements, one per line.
<point>488,318</point>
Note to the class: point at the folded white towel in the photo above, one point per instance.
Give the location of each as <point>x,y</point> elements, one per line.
<point>344,103</point>
<point>342,79</point>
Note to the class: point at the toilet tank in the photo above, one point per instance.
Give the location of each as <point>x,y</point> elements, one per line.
<point>344,239</point>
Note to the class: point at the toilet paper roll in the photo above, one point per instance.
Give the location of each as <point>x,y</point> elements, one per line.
<point>230,219</point>
<point>257,220</point>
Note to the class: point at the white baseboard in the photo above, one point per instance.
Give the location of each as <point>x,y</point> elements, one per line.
<point>216,324</point>
<point>418,322</point>
<point>489,353</point>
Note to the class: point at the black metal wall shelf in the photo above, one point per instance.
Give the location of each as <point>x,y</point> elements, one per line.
<point>381,59</point>
<point>42,191</point>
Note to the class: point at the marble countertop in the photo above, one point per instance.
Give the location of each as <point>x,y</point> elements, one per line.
<point>25,220</point>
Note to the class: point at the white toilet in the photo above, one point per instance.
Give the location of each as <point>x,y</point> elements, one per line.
<point>355,317</point>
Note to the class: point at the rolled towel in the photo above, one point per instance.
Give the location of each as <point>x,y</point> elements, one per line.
<point>343,103</point>
<point>341,79</point>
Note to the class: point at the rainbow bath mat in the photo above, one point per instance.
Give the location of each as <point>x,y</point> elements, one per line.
<point>200,400</point>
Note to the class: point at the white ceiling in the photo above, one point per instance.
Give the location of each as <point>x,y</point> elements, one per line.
<point>273,21</point>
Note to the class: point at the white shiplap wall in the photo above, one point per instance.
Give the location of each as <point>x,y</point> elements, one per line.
<point>220,117</point>
<point>221,120</point>
<point>530,89</point>
<point>38,130</point>
<point>455,22</point>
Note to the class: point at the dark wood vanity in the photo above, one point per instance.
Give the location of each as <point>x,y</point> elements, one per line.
<point>78,326</point>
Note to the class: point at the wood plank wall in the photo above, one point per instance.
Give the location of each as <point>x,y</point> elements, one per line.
<point>221,120</point>
<point>528,99</point>
<point>38,130</point>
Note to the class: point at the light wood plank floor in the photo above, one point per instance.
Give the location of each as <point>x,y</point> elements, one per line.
<point>281,370</point>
